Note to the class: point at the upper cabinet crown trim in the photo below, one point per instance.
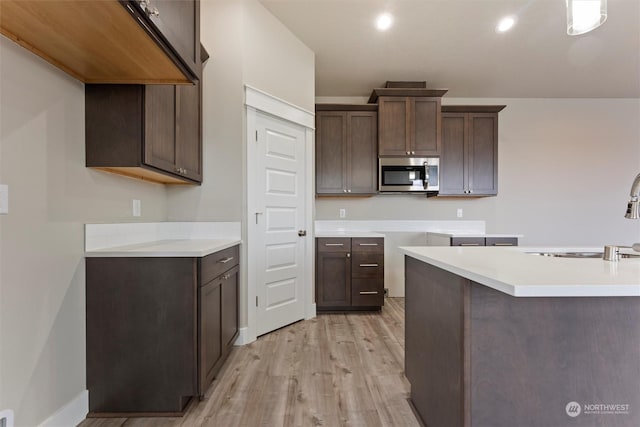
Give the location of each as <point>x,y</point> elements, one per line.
<point>383,91</point>
<point>472,108</point>
<point>106,41</point>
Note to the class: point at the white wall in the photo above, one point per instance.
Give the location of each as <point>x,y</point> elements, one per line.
<point>248,46</point>
<point>565,171</point>
<point>52,195</point>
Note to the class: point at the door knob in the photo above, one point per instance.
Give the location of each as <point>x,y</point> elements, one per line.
<point>302,233</point>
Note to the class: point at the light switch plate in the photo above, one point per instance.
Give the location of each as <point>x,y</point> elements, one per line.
<point>343,213</point>
<point>459,213</point>
<point>4,199</point>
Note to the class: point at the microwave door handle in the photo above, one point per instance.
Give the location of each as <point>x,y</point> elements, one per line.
<point>426,176</point>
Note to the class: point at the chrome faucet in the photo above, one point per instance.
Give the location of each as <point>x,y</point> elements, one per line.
<point>633,211</point>
<point>612,252</point>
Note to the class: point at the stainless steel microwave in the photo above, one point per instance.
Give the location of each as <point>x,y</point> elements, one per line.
<point>409,175</point>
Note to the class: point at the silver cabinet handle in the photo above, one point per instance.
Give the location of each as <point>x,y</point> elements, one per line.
<point>470,244</point>
<point>344,191</point>
<point>348,191</point>
<point>334,244</point>
<point>413,152</point>
<point>503,244</point>
<point>368,265</point>
<point>226,260</point>
<point>348,255</point>
<point>225,277</point>
<point>368,292</point>
<point>368,244</point>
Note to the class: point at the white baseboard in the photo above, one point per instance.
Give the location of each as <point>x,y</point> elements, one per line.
<point>243,337</point>
<point>71,414</point>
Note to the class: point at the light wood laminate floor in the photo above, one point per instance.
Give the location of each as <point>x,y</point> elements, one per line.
<point>333,370</point>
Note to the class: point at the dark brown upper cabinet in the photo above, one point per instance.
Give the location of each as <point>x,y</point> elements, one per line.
<point>110,41</point>
<point>469,161</point>
<point>152,132</point>
<point>346,149</point>
<point>409,121</point>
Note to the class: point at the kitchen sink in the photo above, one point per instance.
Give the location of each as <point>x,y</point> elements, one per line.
<point>580,254</point>
<point>569,254</point>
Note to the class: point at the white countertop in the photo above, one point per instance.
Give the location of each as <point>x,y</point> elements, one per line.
<point>516,273</point>
<point>345,233</point>
<point>463,234</point>
<point>166,248</point>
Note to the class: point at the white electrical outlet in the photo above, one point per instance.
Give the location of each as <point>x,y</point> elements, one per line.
<point>459,213</point>
<point>137,207</point>
<point>343,213</point>
<point>4,199</point>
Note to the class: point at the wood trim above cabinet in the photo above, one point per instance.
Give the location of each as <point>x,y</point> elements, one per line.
<point>472,108</point>
<point>107,41</point>
<point>438,93</point>
<point>346,107</point>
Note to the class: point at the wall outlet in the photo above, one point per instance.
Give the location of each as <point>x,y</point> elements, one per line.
<point>4,199</point>
<point>343,213</point>
<point>459,213</point>
<point>137,207</point>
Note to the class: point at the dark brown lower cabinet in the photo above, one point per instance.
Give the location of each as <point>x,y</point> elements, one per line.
<point>349,274</point>
<point>158,330</point>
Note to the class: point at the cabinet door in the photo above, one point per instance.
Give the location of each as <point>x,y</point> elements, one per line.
<point>393,126</point>
<point>482,162</point>
<point>424,122</point>
<point>160,135</point>
<point>210,339</point>
<point>229,308</point>
<point>362,153</point>
<point>333,279</point>
<point>189,131</point>
<point>331,152</point>
<point>179,23</point>
<point>453,179</point>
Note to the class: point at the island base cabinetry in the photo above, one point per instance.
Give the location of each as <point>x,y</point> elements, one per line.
<point>158,330</point>
<point>478,357</point>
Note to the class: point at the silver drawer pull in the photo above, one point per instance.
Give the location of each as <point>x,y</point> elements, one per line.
<point>470,244</point>
<point>226,260</point>
<point>503,244</point>
<point>368,244</point>
<point>368,265</point>
<point>368,292</point>
<point>334,244</point>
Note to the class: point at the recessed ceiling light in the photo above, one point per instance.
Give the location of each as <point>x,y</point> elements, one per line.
<point>506,24</point>
<point>384,21</point>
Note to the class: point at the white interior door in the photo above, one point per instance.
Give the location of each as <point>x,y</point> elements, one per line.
<point>279,216</point>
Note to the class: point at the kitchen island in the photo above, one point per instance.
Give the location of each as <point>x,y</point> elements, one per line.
<point>498,337</point>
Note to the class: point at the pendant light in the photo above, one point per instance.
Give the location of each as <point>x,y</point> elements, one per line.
<point>585,15</point>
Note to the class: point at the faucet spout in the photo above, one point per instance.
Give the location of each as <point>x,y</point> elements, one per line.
<point>633,207</point>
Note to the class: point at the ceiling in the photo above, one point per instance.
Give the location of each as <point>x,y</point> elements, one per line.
<point>453,44</point>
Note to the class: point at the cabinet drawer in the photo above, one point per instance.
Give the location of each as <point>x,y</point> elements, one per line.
<point>367,265</point>
<point>467,241</point>
<point>502,241</point>
<point>217,263</point>
<point>369,244</point>
<point>334,244</point>
<point>367,292</point>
